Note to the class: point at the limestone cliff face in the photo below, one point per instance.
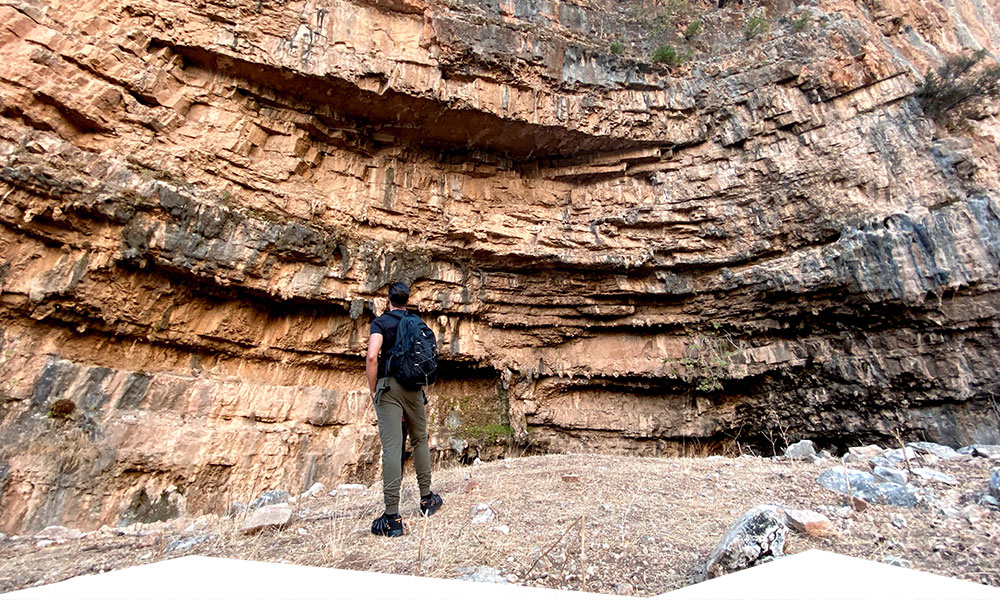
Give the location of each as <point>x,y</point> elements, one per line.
<point>203,202</point>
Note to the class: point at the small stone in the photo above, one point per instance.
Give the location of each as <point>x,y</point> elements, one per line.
<point>270,516</point>
<point>898,521</point>
<point>995,483</point>
<point>502,529</point>
<point>862,453</point>
<point>932,475</point>
<point>844,511</point>
<point>809,522</point>
<point>801,450</point>
<point>301,531</point>
<point>897,562</point>
<point>482,513</point>
<point>348,488</point>
<point>974,513</point>
<point>236,509</point>
<point>894,475</point>
<point>188,543</point>
<point>270,497</point>
<point>571,478</point>
<point>314,490</point>
<point>624,589</point>
<point>476,462</point>
<point>991,500</point>
<point>44,543</point>
<point>481,574</point>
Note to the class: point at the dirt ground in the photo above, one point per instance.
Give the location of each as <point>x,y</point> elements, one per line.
<point>648,525</point>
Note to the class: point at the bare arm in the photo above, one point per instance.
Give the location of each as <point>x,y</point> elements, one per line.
<point>371,361</point>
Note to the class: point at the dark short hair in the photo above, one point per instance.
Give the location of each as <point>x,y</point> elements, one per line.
<point>399,294</point>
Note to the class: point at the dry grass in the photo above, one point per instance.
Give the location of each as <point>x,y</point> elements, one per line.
<point>649,525</point>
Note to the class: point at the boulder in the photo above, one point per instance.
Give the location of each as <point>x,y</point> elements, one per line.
<point>58,534</point>
<point>758,536</point>
<point>894,475</point>
<point>894,458</point>
<point>865,486</point>
<point>809,522</point>
<point>270,497</point>
<point>267,517</point>
<point>995,483</point>
<point>932,475</point>
<point>801,450</point>
<point>938,450</point>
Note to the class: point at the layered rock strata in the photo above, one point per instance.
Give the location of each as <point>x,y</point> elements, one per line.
<point>202,205</point>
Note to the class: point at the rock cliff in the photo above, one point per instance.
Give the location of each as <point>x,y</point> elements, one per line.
<point>202,203</point>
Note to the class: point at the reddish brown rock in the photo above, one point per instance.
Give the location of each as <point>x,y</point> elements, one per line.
<point>201,205</point>
<point>809,522</point>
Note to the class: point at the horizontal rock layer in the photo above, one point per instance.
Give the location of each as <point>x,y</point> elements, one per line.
<point>203,203</point>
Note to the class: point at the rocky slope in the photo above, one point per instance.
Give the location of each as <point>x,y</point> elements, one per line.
<point>203,202</point>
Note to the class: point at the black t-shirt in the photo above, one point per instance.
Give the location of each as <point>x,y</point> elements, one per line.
<point>386,325</point>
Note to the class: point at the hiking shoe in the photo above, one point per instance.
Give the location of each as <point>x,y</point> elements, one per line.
<point>430,503</point>
<point>389,526</point>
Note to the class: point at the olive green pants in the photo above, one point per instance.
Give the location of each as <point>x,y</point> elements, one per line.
<point>392,403</point>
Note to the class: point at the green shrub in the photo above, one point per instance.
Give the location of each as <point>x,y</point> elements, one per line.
<point>800,22</point>
<point>617,48</point>
<point>693,29</point>
<point>61,408</point>
<point>946,92</point>
<point>754,26</point>
<point>667,54</point>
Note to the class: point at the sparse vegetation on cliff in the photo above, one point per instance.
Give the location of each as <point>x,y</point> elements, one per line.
<point>670,56</point>
<point>707,359</point>
<point>947,92</point>
<point>755,26</point>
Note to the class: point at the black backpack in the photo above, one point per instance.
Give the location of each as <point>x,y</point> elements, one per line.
<point>413,358</point>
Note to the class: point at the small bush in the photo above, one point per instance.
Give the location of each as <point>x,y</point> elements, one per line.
<point>754,26</point>
<point>667,54</point>
<point>947,91</point>
<point>61,408</point>
<point>800,22</point>
<point>693,29</point>
<point>617,48</point>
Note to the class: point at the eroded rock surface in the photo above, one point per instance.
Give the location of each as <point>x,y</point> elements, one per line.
<point>201,205</point>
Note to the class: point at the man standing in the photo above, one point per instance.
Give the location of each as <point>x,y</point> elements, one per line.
<point>393,402</point>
